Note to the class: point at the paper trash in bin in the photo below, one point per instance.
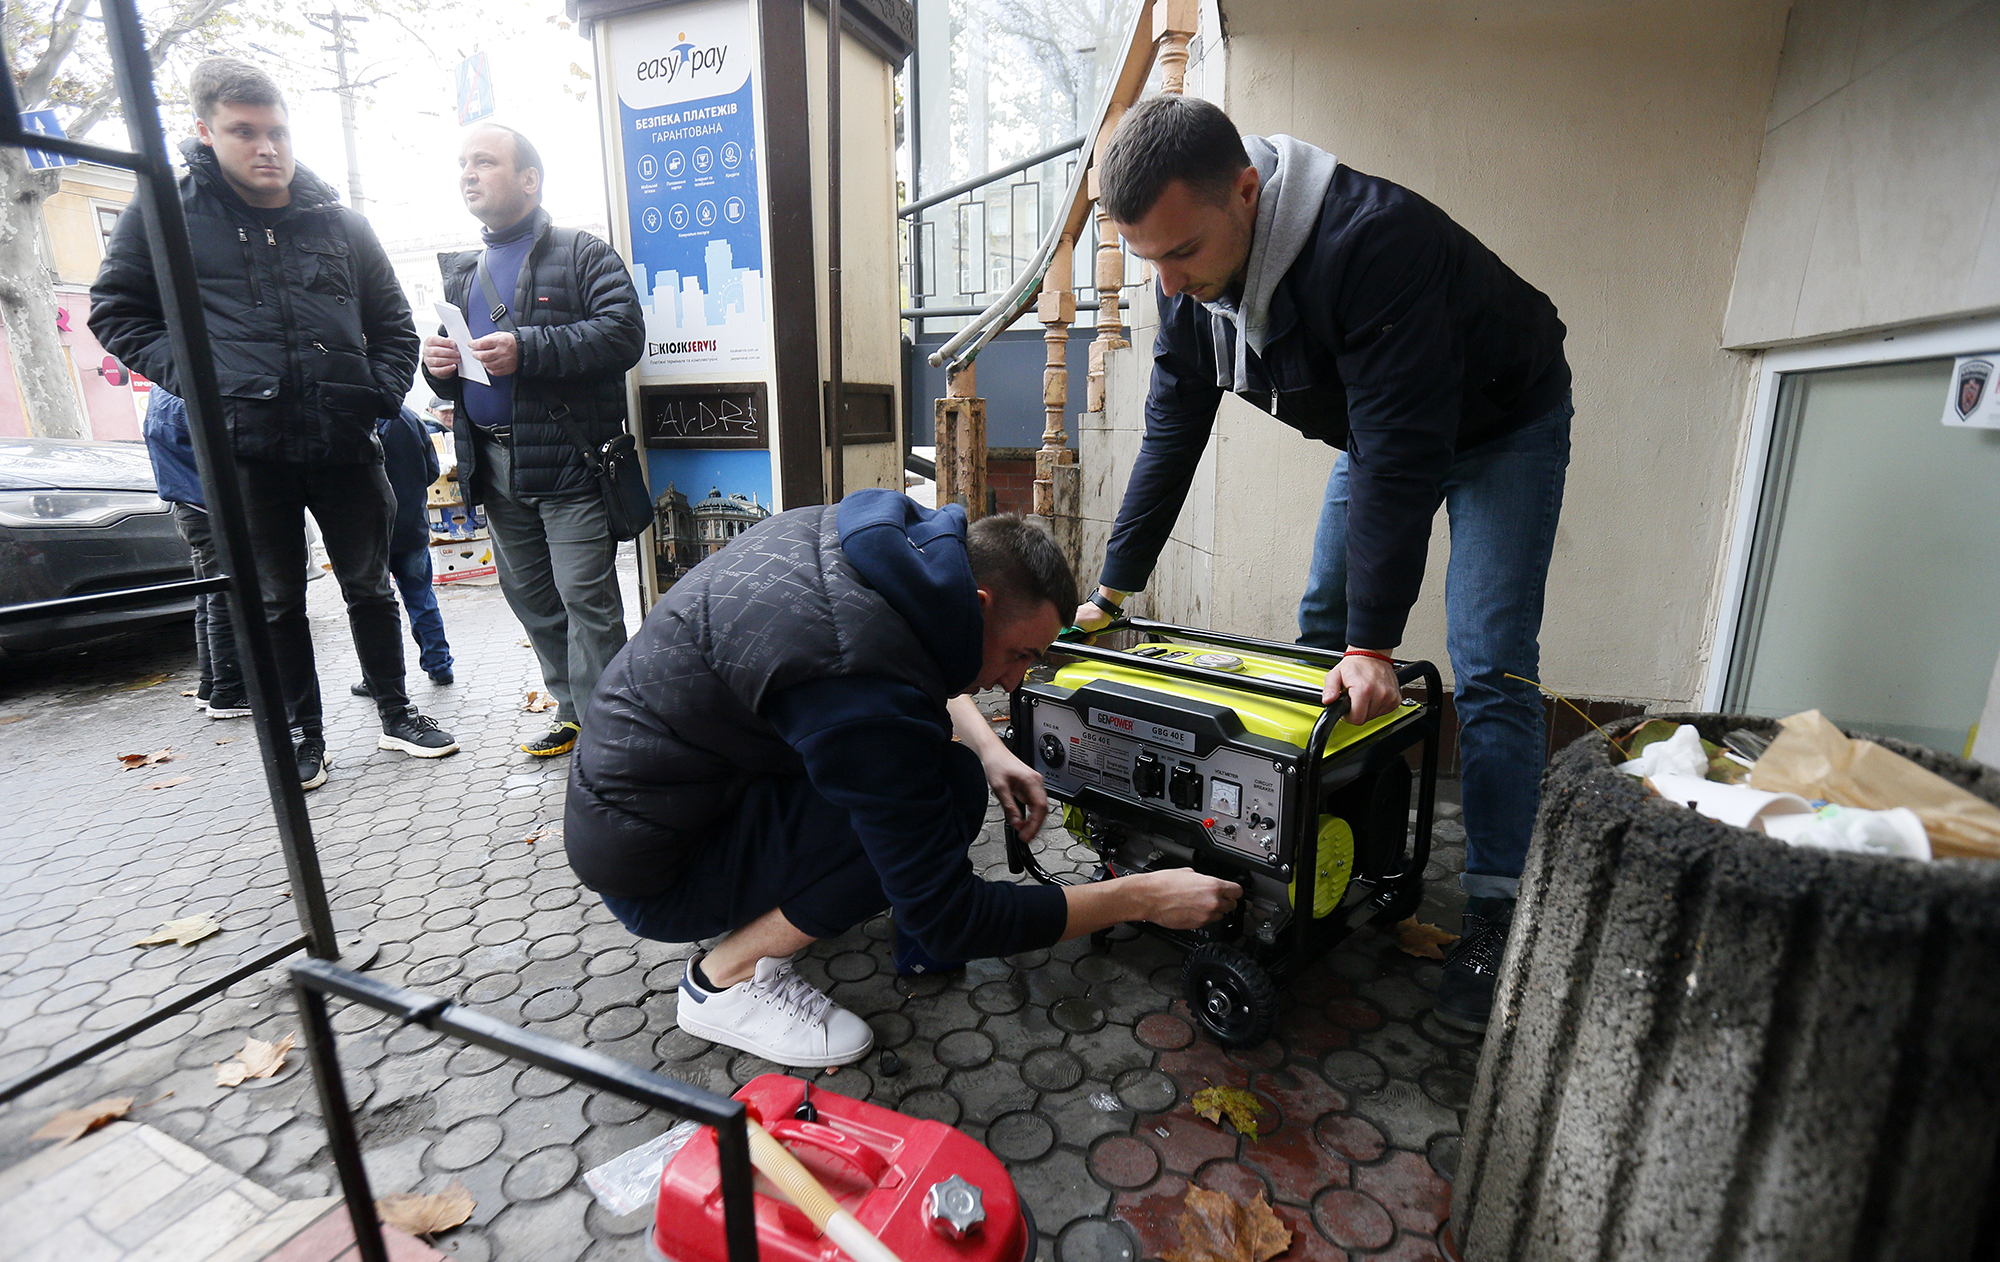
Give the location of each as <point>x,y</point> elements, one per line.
<point>1813,758</point>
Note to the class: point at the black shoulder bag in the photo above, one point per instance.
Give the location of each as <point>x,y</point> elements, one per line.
<point>615,464</point>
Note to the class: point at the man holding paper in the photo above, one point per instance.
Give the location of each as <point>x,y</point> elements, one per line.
<point>538,330</point>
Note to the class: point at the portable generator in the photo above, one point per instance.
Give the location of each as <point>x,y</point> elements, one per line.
<point>1199,749</point>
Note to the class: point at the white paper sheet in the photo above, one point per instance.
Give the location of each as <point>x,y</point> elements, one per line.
<point>469,366</point>
<point>1737,804</point>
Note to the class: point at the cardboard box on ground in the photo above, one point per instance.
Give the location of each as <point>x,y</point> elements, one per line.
<point>461,550</point>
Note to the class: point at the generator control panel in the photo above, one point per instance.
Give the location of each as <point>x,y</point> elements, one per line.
<point>1094,739</point>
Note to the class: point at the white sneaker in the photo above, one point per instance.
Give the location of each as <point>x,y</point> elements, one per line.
<point>778,1016</point>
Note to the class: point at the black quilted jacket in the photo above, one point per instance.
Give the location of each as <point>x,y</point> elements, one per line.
<point>676,733</point>
<point>580,329</point>
<point>312,337</point>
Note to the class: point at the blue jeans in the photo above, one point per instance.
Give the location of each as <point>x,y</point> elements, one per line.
<point>1503,498</point>
<point>412,571</point>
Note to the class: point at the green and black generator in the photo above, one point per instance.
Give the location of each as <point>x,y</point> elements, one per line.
<point>1211,751</point>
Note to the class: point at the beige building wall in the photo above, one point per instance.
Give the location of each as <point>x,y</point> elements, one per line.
<point>72,216</point>
<point>1875,197</point>
<point>1608,152</point>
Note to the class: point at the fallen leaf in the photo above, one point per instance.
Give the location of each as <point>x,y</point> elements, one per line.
<point>186,931</point>
<point>168,784</point>
<point>426,1215</point>
<point>532,838</point>
<point>147,760</point>
<point>163,1095</point>
<point>1426,942</point>
<point>5,719</point>
<point>258,1059</point>
<point>147,682</point>
<point>1726,770</point>
<point>831,1070</point>
<point>187,692</point>
<point>526,644</point>
<point>1217,1228</point>
<point>1239,1105</point>
<point>72,1124</point>
<point>226,740</point>
<point>536,702</point>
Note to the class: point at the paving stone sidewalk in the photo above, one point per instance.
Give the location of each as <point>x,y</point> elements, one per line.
<point>1076,1064</point>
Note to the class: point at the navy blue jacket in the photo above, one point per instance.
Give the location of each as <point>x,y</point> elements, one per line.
<point>171,446</point>
<point>1395,336</point>
<point>412,465</point>
<point>824,642</point>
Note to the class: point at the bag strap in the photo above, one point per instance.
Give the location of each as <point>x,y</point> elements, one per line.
<point>496,309</point>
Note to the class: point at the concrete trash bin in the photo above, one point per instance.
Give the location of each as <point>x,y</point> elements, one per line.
<point>1708,1046</point>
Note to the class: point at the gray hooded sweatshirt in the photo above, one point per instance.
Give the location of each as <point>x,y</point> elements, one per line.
<point>1292,180</point>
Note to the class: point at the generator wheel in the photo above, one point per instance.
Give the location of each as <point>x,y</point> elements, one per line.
<point>1230,994</point>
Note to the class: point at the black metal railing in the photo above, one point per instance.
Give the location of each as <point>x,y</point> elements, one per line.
<point>187,331</point>
<point>988,227</point>
<point>314,980</point>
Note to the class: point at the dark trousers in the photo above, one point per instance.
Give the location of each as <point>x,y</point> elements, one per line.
<point>214,634</point>
<point>412,572</point>
<point>355,509</point>
<point>558,568</point>
<point>785,847</point>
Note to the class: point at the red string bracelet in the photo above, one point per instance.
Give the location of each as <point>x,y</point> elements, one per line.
<point>1380,657</point>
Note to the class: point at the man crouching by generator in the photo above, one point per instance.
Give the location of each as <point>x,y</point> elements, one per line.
<point>771,759</point>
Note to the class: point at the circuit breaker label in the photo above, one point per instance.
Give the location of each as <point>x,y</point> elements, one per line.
<point>1125,725</point>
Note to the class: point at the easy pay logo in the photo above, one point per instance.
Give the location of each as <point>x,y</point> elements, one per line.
<point>688,52</point>
<point>684,58</point>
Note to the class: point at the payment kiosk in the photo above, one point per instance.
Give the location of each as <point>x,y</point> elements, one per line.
<point>716,154</point>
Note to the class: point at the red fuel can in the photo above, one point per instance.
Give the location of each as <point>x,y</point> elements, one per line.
<point>929,1193</point>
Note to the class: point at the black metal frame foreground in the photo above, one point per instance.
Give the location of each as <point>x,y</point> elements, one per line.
<point>187,331</point>
<point>314,980</point>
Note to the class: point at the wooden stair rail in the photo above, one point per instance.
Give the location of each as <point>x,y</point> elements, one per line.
<point>1161,32</point>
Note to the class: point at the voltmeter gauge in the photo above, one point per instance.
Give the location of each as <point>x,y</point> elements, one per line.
<point>1225,798</point>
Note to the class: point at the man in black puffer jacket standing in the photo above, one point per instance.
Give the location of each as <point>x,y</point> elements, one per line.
<point>555,323</point>
<point>312,341</point>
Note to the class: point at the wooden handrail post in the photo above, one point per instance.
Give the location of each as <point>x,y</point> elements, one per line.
<point>961,444</point>
<point>1056,309</point>
<point>1108,274</point>
<point>1174,25</point>
<point>1058,483</point>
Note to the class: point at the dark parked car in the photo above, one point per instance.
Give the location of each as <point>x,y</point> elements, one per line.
<point>79,517</point>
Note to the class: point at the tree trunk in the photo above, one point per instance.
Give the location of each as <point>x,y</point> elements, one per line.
<point>28,301</point>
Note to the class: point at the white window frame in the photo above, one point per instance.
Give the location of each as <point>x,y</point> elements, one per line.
<point>1881,348</point>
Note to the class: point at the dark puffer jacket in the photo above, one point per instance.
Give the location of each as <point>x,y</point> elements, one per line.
<point>311,336</point>
<point>676,732</point>
<point>820,647</point>
<point>580,328</point>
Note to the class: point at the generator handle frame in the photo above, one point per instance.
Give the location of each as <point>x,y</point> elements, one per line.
<point>1021,858</point>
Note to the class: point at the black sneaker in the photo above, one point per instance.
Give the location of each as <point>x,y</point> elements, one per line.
<point>416,735</point>
<point>361,689</point>
<point>559,739</point>
<point>313,762</point>
<point>1465,997</point>
<point>441,678</point>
